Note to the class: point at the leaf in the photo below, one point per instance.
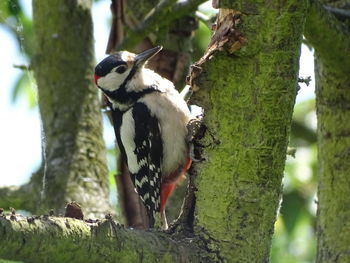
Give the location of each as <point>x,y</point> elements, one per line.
<point>9,8</point>
<point>201,40</point>
<point>4,14</point>
<point>14,7</point>
<point>26,87</point>
<point>18,87</point>
<point>293,206</point>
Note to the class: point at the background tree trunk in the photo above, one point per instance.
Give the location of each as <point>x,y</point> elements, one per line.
<point>331,40</point>
<point>74,167</point>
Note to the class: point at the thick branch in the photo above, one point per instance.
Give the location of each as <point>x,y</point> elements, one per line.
<point>158,18</point>
<point>328,36</point>
<point>70,240</point>
<point>340,14</point>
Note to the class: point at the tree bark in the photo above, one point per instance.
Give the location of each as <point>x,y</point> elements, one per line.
<point>57,239</point>
<point>331,40</point>
<point>75,162</point>
<point>248,97</point>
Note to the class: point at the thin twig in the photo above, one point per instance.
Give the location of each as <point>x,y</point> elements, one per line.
<point>341,14</point>
<point>23,67</point>
<point>306,80</point>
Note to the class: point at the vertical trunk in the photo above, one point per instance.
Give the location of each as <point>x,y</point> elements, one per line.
<point>333,117</point>
<point>331,41</point>
<point>69,107</point>
<point>248,98</point>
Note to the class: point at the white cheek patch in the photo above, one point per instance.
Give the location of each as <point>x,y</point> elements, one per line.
<point>112,80</point>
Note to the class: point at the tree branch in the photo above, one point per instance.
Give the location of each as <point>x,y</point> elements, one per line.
<point>339,13</point>
<point>328,36</point>
<point>70,240</point>
<point>299,130</point>
<point>24,197</point>
<point>160,16</point>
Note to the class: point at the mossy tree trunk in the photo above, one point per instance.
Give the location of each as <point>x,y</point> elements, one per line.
<point>248,97</point>
<point>75,163</point>
<point>331,40</point>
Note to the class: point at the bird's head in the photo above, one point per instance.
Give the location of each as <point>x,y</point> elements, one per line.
<point>116,70</point>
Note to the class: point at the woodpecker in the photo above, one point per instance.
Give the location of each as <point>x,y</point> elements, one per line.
<point>149,119</point>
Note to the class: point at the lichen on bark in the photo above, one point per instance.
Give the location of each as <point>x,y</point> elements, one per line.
<point>57,239</point>
<point>248,97</point>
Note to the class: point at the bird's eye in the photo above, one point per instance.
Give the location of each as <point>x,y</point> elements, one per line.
<point>121,69</point>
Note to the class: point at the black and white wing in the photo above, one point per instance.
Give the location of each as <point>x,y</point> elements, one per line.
<point>141,138</point>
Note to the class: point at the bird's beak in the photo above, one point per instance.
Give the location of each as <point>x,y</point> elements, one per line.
<point>141,58</point>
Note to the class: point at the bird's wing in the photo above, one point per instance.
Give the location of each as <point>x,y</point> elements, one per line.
<point>141,137</point>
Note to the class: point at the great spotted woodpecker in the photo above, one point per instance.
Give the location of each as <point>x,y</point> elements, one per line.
<point>150,119</point>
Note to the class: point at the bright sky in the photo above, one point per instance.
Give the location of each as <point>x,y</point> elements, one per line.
<point>20,136</point>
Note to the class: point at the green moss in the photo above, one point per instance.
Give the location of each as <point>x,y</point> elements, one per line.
<point>332,102</point>
<point>329,37</point>
<point>68,240</point>
<point>245,6</point>
<point>248,98</point>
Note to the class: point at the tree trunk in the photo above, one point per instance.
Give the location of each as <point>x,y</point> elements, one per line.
<point>248,97</point>
<point>331,41</point>
<point>75,162</point>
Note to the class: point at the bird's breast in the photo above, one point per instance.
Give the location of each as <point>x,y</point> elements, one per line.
<point>173,115</point>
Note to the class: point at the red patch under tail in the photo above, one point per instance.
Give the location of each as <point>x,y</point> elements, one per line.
<point>169,184</point>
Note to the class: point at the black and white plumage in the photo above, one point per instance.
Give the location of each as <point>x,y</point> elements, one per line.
<point>150,119</point>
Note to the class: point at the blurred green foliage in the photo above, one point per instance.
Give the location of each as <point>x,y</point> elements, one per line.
<point>200,40</point>
<point>13,18</point>
<point>294,238</point>
<point>25,86</point>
